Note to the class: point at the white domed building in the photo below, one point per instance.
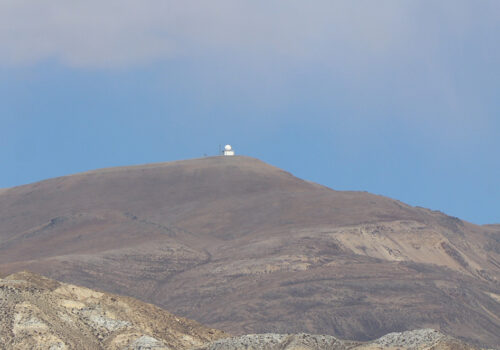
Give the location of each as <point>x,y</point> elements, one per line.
<point>228,150</point>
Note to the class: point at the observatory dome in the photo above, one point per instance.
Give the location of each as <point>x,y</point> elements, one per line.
<point>228,150</point>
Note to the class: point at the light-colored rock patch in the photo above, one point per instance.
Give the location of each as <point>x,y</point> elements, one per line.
<point>147,343</point>
<point>412,340</point>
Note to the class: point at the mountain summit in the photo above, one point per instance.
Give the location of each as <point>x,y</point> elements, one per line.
<point>243,246</point>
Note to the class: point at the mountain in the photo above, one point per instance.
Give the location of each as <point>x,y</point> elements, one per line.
<point>242,246</point>
<point>40,313</point>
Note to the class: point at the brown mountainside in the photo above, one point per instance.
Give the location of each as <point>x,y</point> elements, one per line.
<point>242,246</point>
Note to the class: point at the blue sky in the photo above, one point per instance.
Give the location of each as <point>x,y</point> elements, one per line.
<point>398,98</point>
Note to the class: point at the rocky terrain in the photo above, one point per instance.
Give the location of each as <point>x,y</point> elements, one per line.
<point>420,339</point>
<point>40,313</point>
<point>242,246</point>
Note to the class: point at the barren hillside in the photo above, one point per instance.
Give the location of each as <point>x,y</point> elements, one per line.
<point>420,339</point>
<point>40,313</point>
<point>245,247</point>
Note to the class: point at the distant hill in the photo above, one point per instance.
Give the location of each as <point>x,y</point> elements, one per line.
<point>242,246</point>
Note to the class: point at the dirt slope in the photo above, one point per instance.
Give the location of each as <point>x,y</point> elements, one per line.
<point>243,246</point>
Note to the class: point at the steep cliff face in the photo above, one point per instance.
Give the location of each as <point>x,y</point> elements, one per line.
<point>40,313</point>
<point>243,246</point>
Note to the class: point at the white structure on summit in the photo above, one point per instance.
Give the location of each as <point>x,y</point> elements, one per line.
<point>228,150</point>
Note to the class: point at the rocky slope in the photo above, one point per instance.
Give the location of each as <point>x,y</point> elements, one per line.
<point>40,313</point>
<point>420,339</point>
<point>242,246</point>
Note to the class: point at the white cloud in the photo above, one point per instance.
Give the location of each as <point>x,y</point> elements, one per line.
<point>112,33</point>
<point>81,33</point>
<point>431,45</point>
<point>122,33</point>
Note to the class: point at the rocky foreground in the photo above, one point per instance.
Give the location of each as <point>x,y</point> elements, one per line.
<point>419,339</point>
<point>40,313</point>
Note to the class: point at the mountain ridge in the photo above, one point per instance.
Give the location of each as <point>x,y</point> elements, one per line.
<point>159,165</point>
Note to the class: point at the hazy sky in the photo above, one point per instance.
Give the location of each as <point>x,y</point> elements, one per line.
<point>399,98</point>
